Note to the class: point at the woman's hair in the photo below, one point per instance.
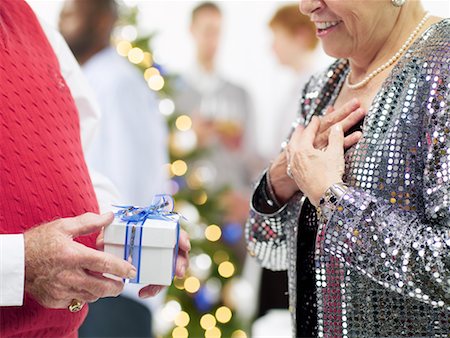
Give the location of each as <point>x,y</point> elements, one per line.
<point>290,18</point>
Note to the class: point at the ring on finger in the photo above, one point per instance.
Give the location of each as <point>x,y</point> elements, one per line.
<point>75,305</point>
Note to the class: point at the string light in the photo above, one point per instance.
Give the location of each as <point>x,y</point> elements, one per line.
<point>128,33</point>
<point>171,309</point>
<point>149,72</point>
<point>156,82</point>
<point>226,269</point>
<point>223,314</point>
<point>182,319</point>
<point>213,333</point>
<point>238,334</point>
<point>148,60</point>
<point>201,198</point>
<point>183,123</point>
<point>180,332</point>
<point>192,284</point>
<point>123,48</point>
<point>207,321</point>
<point>166,106</point>
<point>213,233</point>
<point>179,168</point>
<point>182,143</point>
<point>178,283</point>
<point>136,55</point>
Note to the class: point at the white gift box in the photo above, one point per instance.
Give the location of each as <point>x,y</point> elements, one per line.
<point>152,247</point>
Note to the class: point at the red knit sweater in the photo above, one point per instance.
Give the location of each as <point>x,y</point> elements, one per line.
<point>43,175</point>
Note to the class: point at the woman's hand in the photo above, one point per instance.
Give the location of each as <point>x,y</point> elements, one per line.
<point>348,115</point>
<point>182,265</point>
<point>314,170</point>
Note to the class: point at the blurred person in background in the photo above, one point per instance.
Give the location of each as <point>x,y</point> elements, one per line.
<point>221,114</point>
<point>294,44</point>
<point>130,146</point>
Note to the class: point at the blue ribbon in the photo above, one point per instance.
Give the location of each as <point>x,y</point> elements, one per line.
<point>161,208</point>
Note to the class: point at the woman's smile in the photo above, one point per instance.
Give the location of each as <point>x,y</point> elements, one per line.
<point>325,27</point>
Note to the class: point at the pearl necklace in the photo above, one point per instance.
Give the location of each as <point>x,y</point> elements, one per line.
<point>391,61</point>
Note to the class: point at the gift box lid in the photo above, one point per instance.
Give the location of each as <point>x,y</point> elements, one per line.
<point>156,232</point>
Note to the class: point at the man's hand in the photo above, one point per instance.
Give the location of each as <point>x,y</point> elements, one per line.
<point>58,269</point>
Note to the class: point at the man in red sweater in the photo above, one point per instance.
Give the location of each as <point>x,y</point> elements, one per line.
<point>46,193</point>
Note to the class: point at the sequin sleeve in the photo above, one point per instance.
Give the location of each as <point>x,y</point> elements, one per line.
<point>405,251</point>
<point>267,233</point>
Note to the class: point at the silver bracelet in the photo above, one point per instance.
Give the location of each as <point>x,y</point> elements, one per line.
<point>328,203</point>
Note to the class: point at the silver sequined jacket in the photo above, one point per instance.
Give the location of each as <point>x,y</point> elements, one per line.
<point>380,265</point>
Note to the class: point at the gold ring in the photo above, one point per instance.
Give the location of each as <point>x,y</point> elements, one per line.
<point>75,305</point>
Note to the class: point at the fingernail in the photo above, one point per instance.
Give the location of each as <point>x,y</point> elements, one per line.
<point>337,127</point>
<point>132,274</point>
<point>189,246</point>
<point>355,101</point>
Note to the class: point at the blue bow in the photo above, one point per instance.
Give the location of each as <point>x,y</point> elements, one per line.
<point>161,208</point>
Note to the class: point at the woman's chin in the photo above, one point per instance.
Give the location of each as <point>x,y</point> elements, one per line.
<point>335,51</point>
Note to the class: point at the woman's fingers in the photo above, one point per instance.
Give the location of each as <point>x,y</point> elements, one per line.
<point>352,139</point>
<point>182,264</point>
<point>352,119</point>
<point>150,291</point>
<point>336,140</point>
<point>184,242</point>
<point>338,115</point>
<point>309,133</point>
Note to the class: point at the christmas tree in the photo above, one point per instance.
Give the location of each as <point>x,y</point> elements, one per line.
<point>204,302</point>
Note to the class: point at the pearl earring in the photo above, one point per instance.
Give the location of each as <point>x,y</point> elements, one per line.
<point>398,3</point>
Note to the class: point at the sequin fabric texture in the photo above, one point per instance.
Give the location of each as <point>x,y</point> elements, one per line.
<point>381,262</point>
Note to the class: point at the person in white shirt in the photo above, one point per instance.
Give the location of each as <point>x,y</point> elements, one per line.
<point>12,247</point>
<point>130,147</point>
